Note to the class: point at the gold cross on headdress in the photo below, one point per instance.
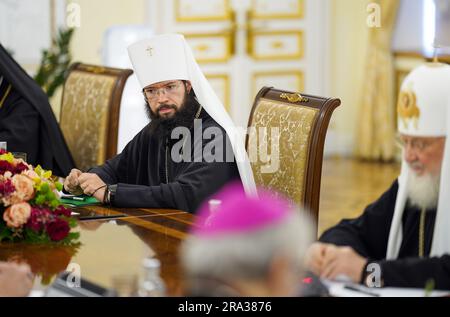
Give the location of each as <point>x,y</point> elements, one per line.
<point>149,50</point>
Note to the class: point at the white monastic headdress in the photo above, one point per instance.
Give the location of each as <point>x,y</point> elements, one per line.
<point>169,57</point>
<point>424,110</point>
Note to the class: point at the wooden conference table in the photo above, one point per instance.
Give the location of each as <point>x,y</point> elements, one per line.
<point>112,249</point>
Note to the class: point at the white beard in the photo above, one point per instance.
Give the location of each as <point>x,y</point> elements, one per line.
<point>423,191</point>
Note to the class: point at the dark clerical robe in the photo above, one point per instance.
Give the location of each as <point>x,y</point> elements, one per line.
<point>368,235</point>
<point>147,175</point>
<point>27,122</point>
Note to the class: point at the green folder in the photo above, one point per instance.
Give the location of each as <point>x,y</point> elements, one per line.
<point>76,202</point>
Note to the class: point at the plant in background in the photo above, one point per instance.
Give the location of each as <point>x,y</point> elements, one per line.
<point>55,62</point>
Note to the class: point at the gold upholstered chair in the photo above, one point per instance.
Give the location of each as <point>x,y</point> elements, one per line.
<point>90,109</point>
<point>302,123</point>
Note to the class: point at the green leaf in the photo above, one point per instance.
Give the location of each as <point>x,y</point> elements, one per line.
<point>55,62</point>
<point>73,236</point>
<point>72,222</point>
<point>31,236</point>
<point>50,196</point>
<point>54,203</point>
<point>38,169</point>
<point>59,186</point>
<point>40,199</point>
<point>429,287</point>
<point>45,188</point>
<point>5,233</point>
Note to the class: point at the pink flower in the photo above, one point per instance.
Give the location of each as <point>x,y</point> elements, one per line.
<point>17,215</point>
<point>24,187</point>
<point>31,174</point>
<point>58,229</point>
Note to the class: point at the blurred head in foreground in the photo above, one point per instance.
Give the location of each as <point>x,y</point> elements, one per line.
<point>243,246</point>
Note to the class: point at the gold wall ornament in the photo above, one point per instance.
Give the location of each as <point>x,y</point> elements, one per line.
<point>294,97</point>
<point>407,108</point>
<point>277,44</point>
<point>203,43</point>
<point>202,47</point>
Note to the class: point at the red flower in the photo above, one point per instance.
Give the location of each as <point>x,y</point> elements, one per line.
<point>58,229</point>
<point>5,166</point>
<point>19,168</point>
<point>6,188</point>
<point>39,217</point>
<point>62,211</point>
<point>3,151</point>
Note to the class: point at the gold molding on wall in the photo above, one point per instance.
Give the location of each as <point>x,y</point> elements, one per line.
<point>227,92</point>
<point>300,77</point>
<point>226,15</point>
<point>228,43</point>
<point>298,14</point>
<point>252,37</point>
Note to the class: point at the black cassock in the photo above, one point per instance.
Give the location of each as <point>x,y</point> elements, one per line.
<point>368,235</point>
<point>27,122</point>
<point>147,176</point>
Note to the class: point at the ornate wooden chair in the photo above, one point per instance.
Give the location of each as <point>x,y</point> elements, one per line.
<point>90,109</point>
<point>302,122</point>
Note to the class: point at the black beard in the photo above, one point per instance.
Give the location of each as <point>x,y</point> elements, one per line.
<point>183,117</point>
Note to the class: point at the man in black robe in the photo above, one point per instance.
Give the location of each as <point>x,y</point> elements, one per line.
<point>27,122</point>
<point>182,157</point>
<point>400,240</point>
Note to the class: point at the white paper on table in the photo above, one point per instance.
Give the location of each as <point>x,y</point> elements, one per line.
<point>338,289</point>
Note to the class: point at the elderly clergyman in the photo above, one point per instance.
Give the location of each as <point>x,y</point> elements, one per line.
<point>403,238</point>
<point>189,150</point>
<point>246,246</point>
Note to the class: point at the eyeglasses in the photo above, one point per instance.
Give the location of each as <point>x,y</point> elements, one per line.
<point>417,144</point>
<point>170,89</point>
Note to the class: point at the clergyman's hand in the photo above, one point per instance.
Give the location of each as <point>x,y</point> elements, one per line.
<point>71,183</point>
<point>315,256</point>
<point>342,261</point>
<point>92,185</point>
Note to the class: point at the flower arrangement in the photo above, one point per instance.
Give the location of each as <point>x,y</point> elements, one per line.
<point>30,209</point>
